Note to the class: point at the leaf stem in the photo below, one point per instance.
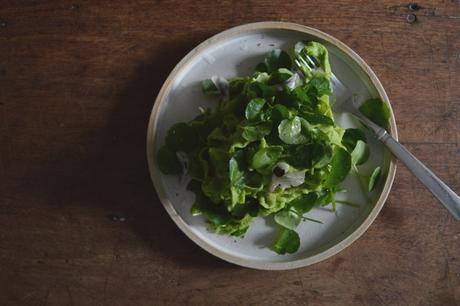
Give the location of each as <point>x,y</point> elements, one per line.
<point>347,203</point>
<point>312,220</point>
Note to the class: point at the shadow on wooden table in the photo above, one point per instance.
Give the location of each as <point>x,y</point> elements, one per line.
<point>143,211</point>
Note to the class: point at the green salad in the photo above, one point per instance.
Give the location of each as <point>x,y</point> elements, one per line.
<point>270,147</point>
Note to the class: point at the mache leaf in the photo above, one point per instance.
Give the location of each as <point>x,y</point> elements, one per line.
<point>360,153</point>
<point>288,241</point>
<point>288,218</point>
<point>340,167</point>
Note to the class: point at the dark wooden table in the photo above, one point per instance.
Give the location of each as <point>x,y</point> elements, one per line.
<point>80,223</point>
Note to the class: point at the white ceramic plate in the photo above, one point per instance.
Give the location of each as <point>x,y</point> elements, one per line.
<point>236,52</point>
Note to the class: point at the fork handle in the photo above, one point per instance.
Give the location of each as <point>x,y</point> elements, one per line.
<point>441,191</point>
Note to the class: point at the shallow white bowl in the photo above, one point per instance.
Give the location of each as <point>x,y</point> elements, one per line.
<point>236,52</point>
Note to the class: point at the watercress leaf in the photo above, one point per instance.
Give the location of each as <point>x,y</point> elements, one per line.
<point>265,158</point>
<point>199,168</point>
<point>340,167</point>
<point>167,161</point>
<point>279,112</point>
<point>374,178</point>
<point>280,76</point>
<point>315,118</point>
<point>321,85</point>
<point>287,219</point>
<point>321,155</point>
<point>210,88</point>
<point>360,153</point>
<point>250,207</point>
<point>304,203</point>
<point>255,132</point>
<point>216,137</point>
<point>351,137</point>
<point>290,131</point>
<point>325,196</point>
<point>377,111</point>
<point>312,155</point>
<point>276,59</point>
<point>254,108</point>
<point>182,137</point>
<point>235,86</point>
<point>260,78</point>
<point>288,241</point>
<point>261,67</point>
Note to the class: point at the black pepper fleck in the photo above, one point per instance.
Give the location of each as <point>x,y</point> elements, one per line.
<point>3,24</point>
<point>74,7</point>
<point>411,18</point>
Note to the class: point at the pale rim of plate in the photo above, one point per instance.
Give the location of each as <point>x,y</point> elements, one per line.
<point>197,51</point>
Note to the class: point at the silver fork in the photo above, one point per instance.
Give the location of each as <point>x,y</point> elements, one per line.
<point>346,103</point>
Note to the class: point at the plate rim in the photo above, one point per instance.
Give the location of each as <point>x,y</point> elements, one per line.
<point>150,143</point>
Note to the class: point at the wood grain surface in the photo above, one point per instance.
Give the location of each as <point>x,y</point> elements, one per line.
<point>80,223</point>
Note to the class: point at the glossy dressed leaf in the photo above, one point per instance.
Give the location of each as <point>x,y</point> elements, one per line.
<point>360,153</point>
<point>288,241</point>
<point>288,219</point>
<point>351,137</point>
<point>265,158</point>
<point>373,180</point>
<point>254,108</point>
<point>167,161</point>
<point>377,111</point>
<point>290,131</point>
<point>182,137</point>
<point>340,167</point>
<point>209,88</point>
<point>277,59</point>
